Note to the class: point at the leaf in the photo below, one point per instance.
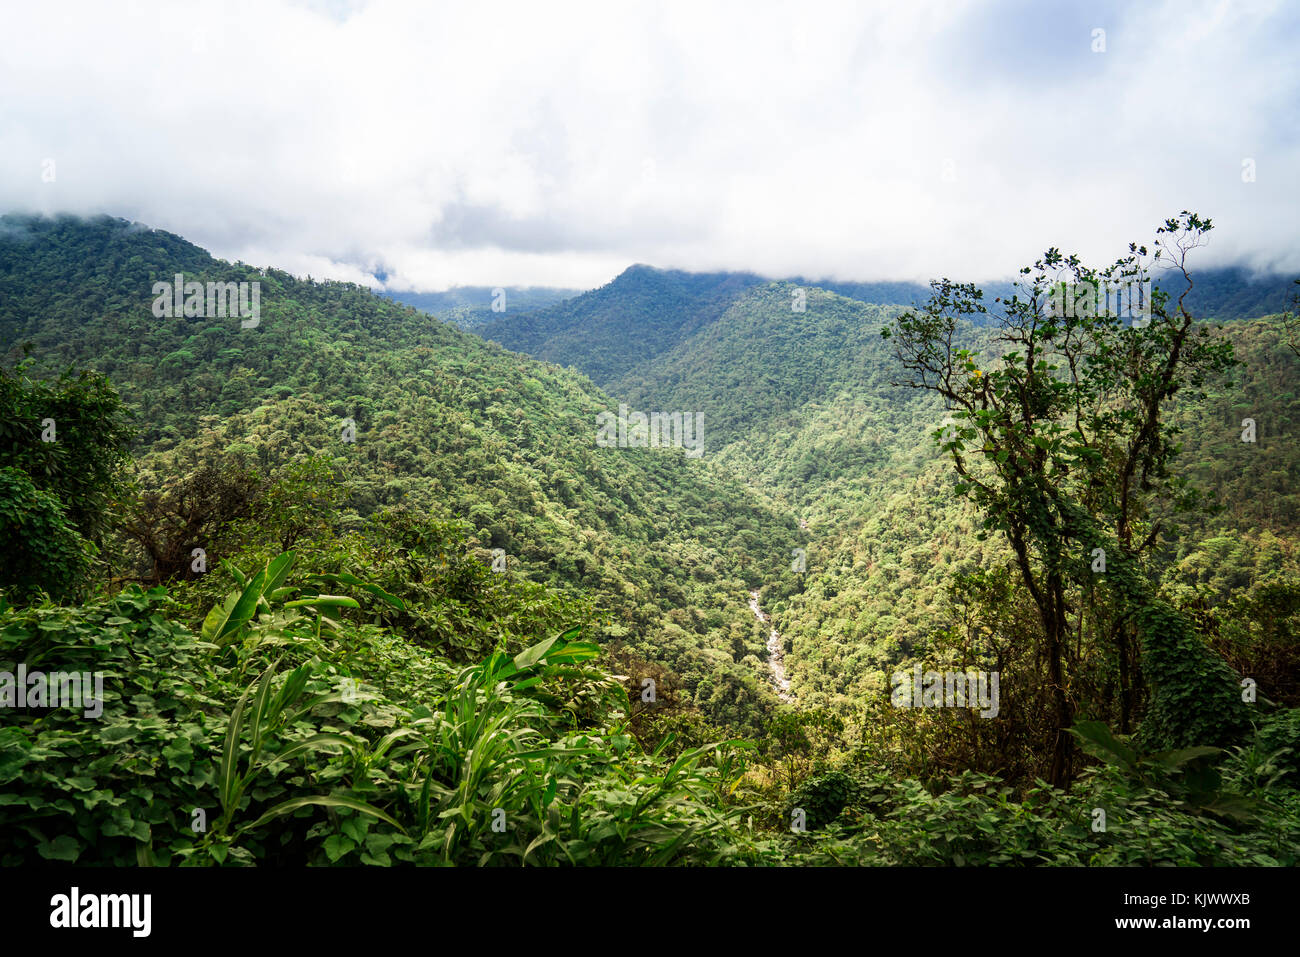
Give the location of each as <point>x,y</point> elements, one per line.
<point>531,656</point>
<point>259,709</point>
<point>326,601</point>
<point>241,613</point>
<point>226,779</point>
<point>1098,741</point>
<point>278,570</point>
<point>338,845</point>
<point>218,616</point>
<point>345,578</point>
<point>1176,759</point>
<point>314,743</point>
<point>62,848</point>
<point>290,691</point>
<point>323,800</point>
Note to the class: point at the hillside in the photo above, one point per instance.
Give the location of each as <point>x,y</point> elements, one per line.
<point>445,424</point>
<point>471,307</point>
<point>803,407</point>
<point>364,562</point>
<point>634,318</point>
<point>801,413</point>
<point>620,334</point>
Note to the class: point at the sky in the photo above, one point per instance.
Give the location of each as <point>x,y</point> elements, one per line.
<point>521,144</point>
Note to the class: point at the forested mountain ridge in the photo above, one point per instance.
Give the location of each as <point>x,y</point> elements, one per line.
<point>472,307</point>
<point>807,409</point>
<point>776,348</point>
<point>444,422</point>
<point>631,319</point>
<point>337,668</point>
<point>612,332</point>
<point>793,382</point>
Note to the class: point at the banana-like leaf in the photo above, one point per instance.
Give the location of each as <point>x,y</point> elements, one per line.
<point>347,579</point>
<point>324,601</point>
<point>531,656</point>
<point>238,615</point>
<point>278,570</point>
<point>1098,741</point>
<point>217,616</point>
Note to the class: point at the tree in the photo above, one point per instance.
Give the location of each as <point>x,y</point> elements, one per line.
<point>71,436</point>
<point>63,452</point>
<point>1060,441</point>
<point>194,509</point>
<point>1291,324</point>
<point>39,550</point>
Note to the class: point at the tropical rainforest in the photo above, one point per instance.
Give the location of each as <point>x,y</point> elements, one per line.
<point>358,585</point>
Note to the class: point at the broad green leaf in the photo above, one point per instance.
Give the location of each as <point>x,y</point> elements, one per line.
<point>322,800</point>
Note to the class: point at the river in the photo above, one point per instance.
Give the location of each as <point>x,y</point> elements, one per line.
<point>775,652</point>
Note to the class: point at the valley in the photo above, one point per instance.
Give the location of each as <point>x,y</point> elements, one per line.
<point>401,504</point>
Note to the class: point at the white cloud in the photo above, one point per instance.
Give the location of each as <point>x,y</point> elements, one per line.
<point>502,144</point>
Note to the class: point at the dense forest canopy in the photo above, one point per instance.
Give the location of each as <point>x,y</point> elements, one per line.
<point>610,333</point>
<point>364,588</point>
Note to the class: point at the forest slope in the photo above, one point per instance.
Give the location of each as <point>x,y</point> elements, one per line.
<point>444,422</point>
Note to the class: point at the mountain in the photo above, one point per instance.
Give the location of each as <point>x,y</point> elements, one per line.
<point>445,424</point>
<point>613,334</point>
<point>1232,292</point>
<point>1222,293</point>
<point>630,320</point>
<point>420,528</point>
<point>802,405</point>
<point>800,415</point>
<point>471,307</point>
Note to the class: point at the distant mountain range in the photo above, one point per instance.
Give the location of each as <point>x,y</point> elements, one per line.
<point>471,306</point>
<point>610,332</point>
<point>645,311</point>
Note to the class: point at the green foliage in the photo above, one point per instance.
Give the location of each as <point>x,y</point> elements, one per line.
<point>39,550</point>
<point>62,458</point>
<point>1188,774</point>
<point>1278,738</point>
<point>976,820</point>
<point>262,750</point>
<point>635,318</point>
<point>448,426</point>
<point>823,797</point>
<point>349,681</point>
<point>1062,439</point>
<point>70,435</point>
<point>80,789</point>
